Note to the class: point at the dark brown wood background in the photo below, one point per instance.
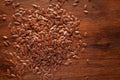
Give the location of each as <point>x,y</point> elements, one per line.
<point>103,50</point>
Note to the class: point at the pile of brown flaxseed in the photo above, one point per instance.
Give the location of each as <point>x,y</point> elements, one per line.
<point>44,39</point>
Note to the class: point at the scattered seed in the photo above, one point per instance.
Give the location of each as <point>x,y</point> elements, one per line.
<point>10,53</point>
<point>75,4</point>
<point>15,5</point>
<point>24,64</point>
<point>76,1</point>
<point>18,57</point>
<point>35,6</point>
<point>8,2</point>
<point>4,15</point>
<point>22,61</point>
<point>77,32</point>
<point>4,18</point>
<point>8,71</point>
<point>5,37</point>
<point>84,44</point>
<point>17,46</point>
<point>82,50</point>
<point>17,23</point>
<point>75,57</point>
<point>85,34</point>
<point>66,63</point>
<point>85,11</point>
<point>69,60</point>
<point>37,68</point>
<point>38,73</point>
<point>13,75</point>
<point>6,43</point>
<point>15,36</point>
<point>11,61</point>
<point>85,7</point>
<point>87,60</point>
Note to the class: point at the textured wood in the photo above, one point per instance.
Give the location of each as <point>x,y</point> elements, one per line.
<point>103,27</point>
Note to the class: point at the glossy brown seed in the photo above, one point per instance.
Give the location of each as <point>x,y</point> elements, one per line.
<point>80,42</point>
<point>84,44</point>
<point>17,46</point>
<point>25,64</point>
<point>85,7</point>
<point>82,50</point>
<point>4,15</point>
<point>8,2</point>
<point>10,53</point>
<point>18,57</point>
<point>85,34</point>
<point>87,61</point>
<point>77,32</point>
<point>8,71</point>
<point>35,6</point>
<point>75,57</point>
<point>37,68</point>
<point>17,23</point>
<point>69,61</point>
<point>11,61</point>
<point>75,4</point>
<point>4,18</point>
<point>38,73</point>
<point>66,63</point>
<point>85,11</point>
<point>13,75</point>
<point>15,5</point>
<point>15,36</point>
<point>76,1</point>
<point>22,61</point>
<point>6,43</point>
<point>5,37</point>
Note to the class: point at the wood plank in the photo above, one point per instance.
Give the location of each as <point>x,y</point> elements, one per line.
<point>103,27</point>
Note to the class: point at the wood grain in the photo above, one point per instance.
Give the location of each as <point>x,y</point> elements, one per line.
<point>103,51</point>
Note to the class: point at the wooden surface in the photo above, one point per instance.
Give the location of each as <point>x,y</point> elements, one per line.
<point>103,51</point>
